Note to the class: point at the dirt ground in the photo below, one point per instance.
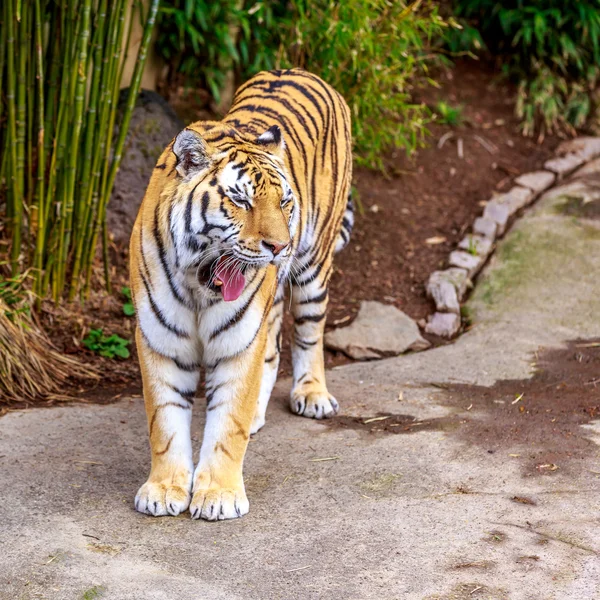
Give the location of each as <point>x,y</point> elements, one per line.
<point>543,412</point>
<point>407,221</point>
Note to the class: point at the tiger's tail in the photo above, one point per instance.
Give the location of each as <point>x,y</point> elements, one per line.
<point>347,225</point>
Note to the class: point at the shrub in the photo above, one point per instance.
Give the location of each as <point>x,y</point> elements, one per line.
<point>374,52</point>
<point>550,47</point>
<point>201,39</point>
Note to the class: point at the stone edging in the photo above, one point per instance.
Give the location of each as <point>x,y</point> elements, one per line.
<point>448,288</point>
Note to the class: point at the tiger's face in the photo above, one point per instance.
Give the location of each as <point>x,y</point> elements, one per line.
<point>240,210</point>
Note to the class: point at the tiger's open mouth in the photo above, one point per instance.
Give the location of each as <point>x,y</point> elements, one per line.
<point>226,276</point>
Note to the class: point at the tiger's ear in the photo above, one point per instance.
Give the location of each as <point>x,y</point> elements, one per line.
<point>191,152</point>
<point>272,141</point>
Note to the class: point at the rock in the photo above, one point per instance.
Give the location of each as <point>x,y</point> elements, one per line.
<point>153,125</point>
<point>447,288</point>
<point>518,197</point>
<point>443,324</point>
<point>379,330</point>
<point>563,165</point>
<point>584,147</point>
<point>515,199</point>
<point>536,181</point>
<point>444,295</point>
<point>591,169</point>
<point>457,277</point>
<point>476,244</point>
<point>499,213</point>
<point>485,227</point>
<point>464,260</point>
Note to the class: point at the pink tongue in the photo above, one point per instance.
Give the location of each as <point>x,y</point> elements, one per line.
<point>232,278</point>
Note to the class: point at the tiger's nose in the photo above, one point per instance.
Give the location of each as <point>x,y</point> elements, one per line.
<point>274,247</point>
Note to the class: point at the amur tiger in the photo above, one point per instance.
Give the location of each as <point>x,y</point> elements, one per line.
<point>235,212</point>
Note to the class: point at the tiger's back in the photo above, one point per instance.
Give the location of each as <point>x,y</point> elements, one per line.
<point>234,210</point>
<point>315,121</point>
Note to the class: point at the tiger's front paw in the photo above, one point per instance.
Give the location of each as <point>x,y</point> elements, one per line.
<point>219,503</point>
<point>160,499</point>
<point>314,405</point>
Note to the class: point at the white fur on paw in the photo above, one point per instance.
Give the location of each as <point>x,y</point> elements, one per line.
<point>314,405</point>
<point>158,499</point>
<point>257,424</point>
<point>217,504</point>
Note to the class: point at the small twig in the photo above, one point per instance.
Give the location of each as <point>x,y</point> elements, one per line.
<point>373,419</point>
<point>298,569</point>
<point>517,398</point>
<point>489,146</point>
<point>448,135</point>
<point>91,536</point>
<point>460,148</point>
<point>323,459</point>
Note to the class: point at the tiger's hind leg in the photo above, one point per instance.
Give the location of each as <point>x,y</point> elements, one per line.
<point>310,397</point>
<point>271,365</point>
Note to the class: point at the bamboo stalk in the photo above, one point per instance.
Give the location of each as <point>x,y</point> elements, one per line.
<point>41,154</point>
<point>131,99</point>
<point>111,97</point>
<point>91,151</point>
<point>14,191</point>
<point>61,64</point>
<point>80,77</point>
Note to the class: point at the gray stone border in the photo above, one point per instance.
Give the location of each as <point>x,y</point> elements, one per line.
<point>448,288</point>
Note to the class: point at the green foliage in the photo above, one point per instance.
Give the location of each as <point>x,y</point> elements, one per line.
<point>108,346</point>
<point>448,114</point>
<point>14,300</point>
<point>374,52</point>
<point>202,39</point>
<point>94,592</point>
<point>61,65</point>
<point>128,307</point>
<point>551,47</point>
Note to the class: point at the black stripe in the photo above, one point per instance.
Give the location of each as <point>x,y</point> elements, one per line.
<point>162,255</point>
<point>318,298</point>
<point>188,395</point>
<point>183,367</point>
<point>309,318</point>
<point>159,314</point>
<point>239,314</point>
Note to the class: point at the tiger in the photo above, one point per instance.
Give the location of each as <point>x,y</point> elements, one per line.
<point>236,212</point>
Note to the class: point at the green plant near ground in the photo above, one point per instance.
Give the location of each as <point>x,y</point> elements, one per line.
<point>61,64</point>
<point>15,300</point>
<point>93,593</point>
<point>375,53</point>
<point>550,47</point>
<point>109,346</point>
<point>128,307</point>
<point>448,114</point>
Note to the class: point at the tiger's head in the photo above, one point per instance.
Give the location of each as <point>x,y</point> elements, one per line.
<point>240,213</point>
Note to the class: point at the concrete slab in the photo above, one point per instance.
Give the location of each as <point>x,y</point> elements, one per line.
<point>422,516</point>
